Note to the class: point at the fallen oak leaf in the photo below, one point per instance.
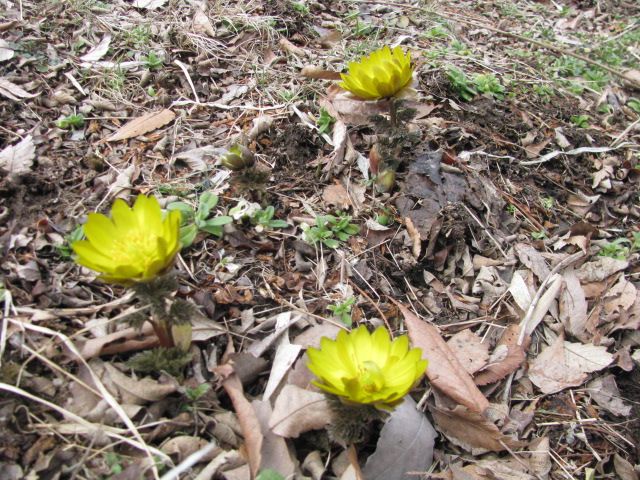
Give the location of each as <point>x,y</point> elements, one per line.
<point>297,410</point>
<point>445,371</point>
<point>141,125</point>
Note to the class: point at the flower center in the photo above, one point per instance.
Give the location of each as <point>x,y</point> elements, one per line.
<point>371,377</point>
<point>137,248</point>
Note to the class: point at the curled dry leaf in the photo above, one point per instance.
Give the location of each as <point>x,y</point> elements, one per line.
<point>336,195</point>
<point>471,430</point>
<point>311,71</point>
<point>444,371</point>
<point>405,445</point>
<point>605,393</point>
<point>512,356</point>
<point>141,125</point>
<point>13,91</point>
<point>297,411</point>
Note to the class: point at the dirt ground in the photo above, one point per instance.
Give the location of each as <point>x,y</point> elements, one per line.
<point>511,227</point>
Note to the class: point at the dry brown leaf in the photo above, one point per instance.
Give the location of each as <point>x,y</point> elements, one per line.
<point>629,319</point>
<point>127,340</point>
<point>540,460</point>
<point>624,469</point>
<point>182,446</point>
<point>533,260</point>
<point>275,454</point>
<point>621,297</point>
<point>202,25</point>
<point>573,305</point>
<point>17,159</point>
<point>138,391</point>
<point>600,269</point>
<point>605,393</point>
<point>336,195</point>
<point>633,77</point>
<point>311,336</point>
<point>565,364</point>
<point>141,125</point>
<point>470,350</point>
<point>470,430</point>
<point>513,356</point>
<point>318,73</point>
<point>246,417</point>
<point>289,47</point>
<point>98,51</point>
<point>297,411</point>
<point>444,371</point>
<point>13,91</point>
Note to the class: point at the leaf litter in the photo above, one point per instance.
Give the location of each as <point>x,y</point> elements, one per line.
<point>511,255</point>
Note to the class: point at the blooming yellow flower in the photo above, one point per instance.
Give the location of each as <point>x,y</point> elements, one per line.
<point>380,75</point>
<point>134,245</point>
<point>361,367</point>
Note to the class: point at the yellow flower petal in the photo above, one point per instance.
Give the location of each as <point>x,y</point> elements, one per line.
<point>134,245</point>
<point>361,367</point>
<point>384,73</point>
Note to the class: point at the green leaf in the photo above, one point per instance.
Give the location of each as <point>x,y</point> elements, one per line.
<point>269,475</point>
<point>331,243</point>
<point>213,230</point>
<point>208,200</point>
<point>278,224</point>
<point>217,221</point>
<point>188,234</point>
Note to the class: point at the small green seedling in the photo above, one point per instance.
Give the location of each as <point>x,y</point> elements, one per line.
<point>71,122</point>
<point>343,310</point>
<point>269,475</point>
<point>65,251</point>
<point>114,462</point>
<point>331,230</point>
<point>580,121</point>
<point>461,84</point>
<point>301,8</point>
<point>194,221</point>
<point>511,209</point>
<point>634,104</point>
<point>263,220</point>
<point>635,246</point>
<point>488,84</point>
<point>325,121</point>
<point>539,235</point>
<point>195,393</point>
<point>547,202</point>
<point>616,249</point>
<point>153,61</point>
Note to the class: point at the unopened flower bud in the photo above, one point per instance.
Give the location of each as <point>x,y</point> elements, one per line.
<point>385,181</point>
<point>237,158</point>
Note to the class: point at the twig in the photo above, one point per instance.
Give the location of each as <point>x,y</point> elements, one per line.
<point>183,67</point>
<point>485,229</point>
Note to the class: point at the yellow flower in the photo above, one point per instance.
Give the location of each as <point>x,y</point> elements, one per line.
<point>134,245</point>
<point>361,367</point>
<point>380,75</point>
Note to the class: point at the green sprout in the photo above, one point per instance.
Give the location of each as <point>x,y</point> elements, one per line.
<point>539,235</point>
<point>331,230</point>
<point>461,84</point>
<point>325,121</point>
<point>194,221</point>
<point>153,61</point>
<point>616,249</point>
<point>547,202</point>
<point>343,310</point>
<point>65,250</point>
<point>634,104</point>
<point>488,83</point>
<point>580,121</point>
<point>269,475</point>
<point>263,219</point>
<point>71,122</point>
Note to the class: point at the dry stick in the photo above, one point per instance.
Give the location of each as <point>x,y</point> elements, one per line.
<point>459,18</point>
